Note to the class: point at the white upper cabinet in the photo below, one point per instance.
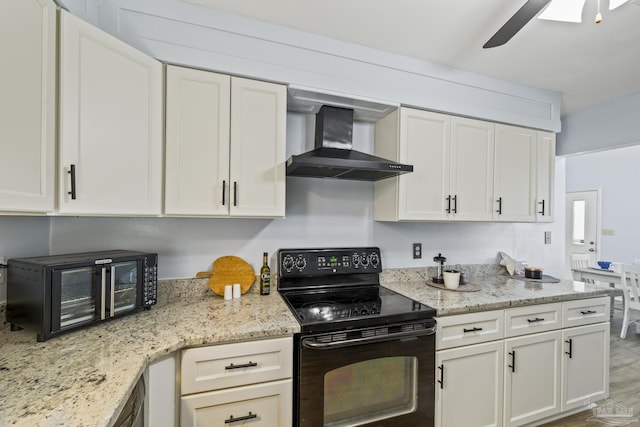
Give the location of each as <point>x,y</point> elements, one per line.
<point>420,138</point>
<point>452,160</point>
<point>111,98</point>
<point>197,142</point>
<point>225,152</point>
<point>515,174</point>
<point>27,105</point>
<point>471,169</point>
<point>545,161</point>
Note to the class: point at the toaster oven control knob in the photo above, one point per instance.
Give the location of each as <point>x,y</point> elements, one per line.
<point>287,262</point>
<point>374,259</point>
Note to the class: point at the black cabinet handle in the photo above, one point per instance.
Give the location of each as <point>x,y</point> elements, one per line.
<point>537,319</point>
<point>231,419</point>
<point>455,204</point>
<point>224,187</point>
<point>474,329</point>
<point>584,313</point>
<point>449,203</point>
<point>513,360</point>
<point>244,365</point>
<point>72,172</point>
<point>235,193</point>
<point>570,352</point>
<point>542,211</point>
<point>499,205</point>
<point>441,380</point>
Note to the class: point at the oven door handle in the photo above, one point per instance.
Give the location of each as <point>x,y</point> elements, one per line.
<point>309,342</point>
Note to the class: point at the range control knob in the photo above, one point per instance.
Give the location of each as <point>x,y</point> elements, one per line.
<point>355,259</point>
<point>301,262</point>
<point>287,262</point>
<point>364,260</point>
<point>374,259</point>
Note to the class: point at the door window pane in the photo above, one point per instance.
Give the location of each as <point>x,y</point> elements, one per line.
<point>371,390</point>
<point>579,211</point>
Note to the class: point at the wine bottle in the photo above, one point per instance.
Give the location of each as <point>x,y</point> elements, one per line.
<point>265,275</point>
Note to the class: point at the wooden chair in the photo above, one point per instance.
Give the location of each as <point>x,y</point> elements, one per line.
<point>630,275</point>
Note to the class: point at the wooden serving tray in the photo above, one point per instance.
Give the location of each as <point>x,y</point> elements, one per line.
<point>228,270</point>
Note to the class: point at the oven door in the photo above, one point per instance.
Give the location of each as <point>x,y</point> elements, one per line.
<point>382,376</point>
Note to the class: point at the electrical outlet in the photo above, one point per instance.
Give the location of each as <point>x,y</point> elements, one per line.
<point>417,250</point>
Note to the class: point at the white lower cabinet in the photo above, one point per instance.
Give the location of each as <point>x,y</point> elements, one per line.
<point>237,384</point>
<point>585,365</point>
<point>469,385</point>
<point>547,360</point>
<point>532,377</point>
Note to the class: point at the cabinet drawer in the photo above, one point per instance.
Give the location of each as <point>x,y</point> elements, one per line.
<point>231,365</point>
<point>471,328</point>
<point>585,311</point>
<point>531,319</point>
<point>265,405</point>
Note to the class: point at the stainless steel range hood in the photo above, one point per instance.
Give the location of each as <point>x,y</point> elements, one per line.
<point>333,156</point>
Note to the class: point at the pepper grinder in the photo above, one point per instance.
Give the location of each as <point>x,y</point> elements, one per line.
<point>439,260</point>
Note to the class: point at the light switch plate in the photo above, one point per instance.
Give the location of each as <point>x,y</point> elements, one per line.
<point>547,237</point>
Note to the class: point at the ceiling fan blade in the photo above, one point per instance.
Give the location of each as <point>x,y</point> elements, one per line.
<point>516,22</point>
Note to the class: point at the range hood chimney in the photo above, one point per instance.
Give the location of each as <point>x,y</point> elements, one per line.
<point>333,156</point>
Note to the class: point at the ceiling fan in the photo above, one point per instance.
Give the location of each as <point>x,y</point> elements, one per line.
<point>558,10</point>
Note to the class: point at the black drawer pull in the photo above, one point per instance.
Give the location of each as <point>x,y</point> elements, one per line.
<point>224,187</point>
<point>455,204</point>
<point>244,365</point>
<point>499,211</point>
<point>231,419</point>
<point>542,211</point>
<point>537,319</point>
<point>474,329</point>
<point>441,380</point>
<point>588,312</point>
<point>513,360</point>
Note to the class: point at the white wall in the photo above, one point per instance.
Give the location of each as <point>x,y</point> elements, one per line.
<point>617,173</point>
<point>319,213</point>
<point>22,236</point>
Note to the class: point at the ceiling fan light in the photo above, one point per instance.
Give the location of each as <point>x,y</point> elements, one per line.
<point>598,18</point>
<point>616,3</point>
<point>564,10</point>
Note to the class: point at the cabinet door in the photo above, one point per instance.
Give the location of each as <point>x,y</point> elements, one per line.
<point>545,162</point>
<point>515,174</point>
<point>472,153</point>
<point>110,124</point>
<point>260,405</point>
<point>197,142</point>
<point>532,377</point>
<point>27,105</point>
<point>424,142</point>
<point>585,365</point>
<point>258,137</point>
<point>469,387</point>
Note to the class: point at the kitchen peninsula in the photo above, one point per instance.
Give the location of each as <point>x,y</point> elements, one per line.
<point>83,378</point>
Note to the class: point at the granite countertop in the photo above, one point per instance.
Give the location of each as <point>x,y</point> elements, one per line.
<point>497,290</point>
<point>83,378</point>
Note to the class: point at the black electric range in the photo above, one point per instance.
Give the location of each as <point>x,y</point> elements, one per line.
<point>339,288</point>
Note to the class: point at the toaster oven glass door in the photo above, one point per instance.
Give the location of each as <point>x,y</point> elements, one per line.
<point>76,296</point>
<point>125,277</point>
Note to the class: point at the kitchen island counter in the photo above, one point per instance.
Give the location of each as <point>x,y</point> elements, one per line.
<point>497,291</point>
<point>83,378</point>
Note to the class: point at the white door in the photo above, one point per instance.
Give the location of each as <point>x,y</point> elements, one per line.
<point>110,121</point>
<point>583,225</point>
<point>472,152</point>
<point>27,105</point>
<point>197,142</point>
